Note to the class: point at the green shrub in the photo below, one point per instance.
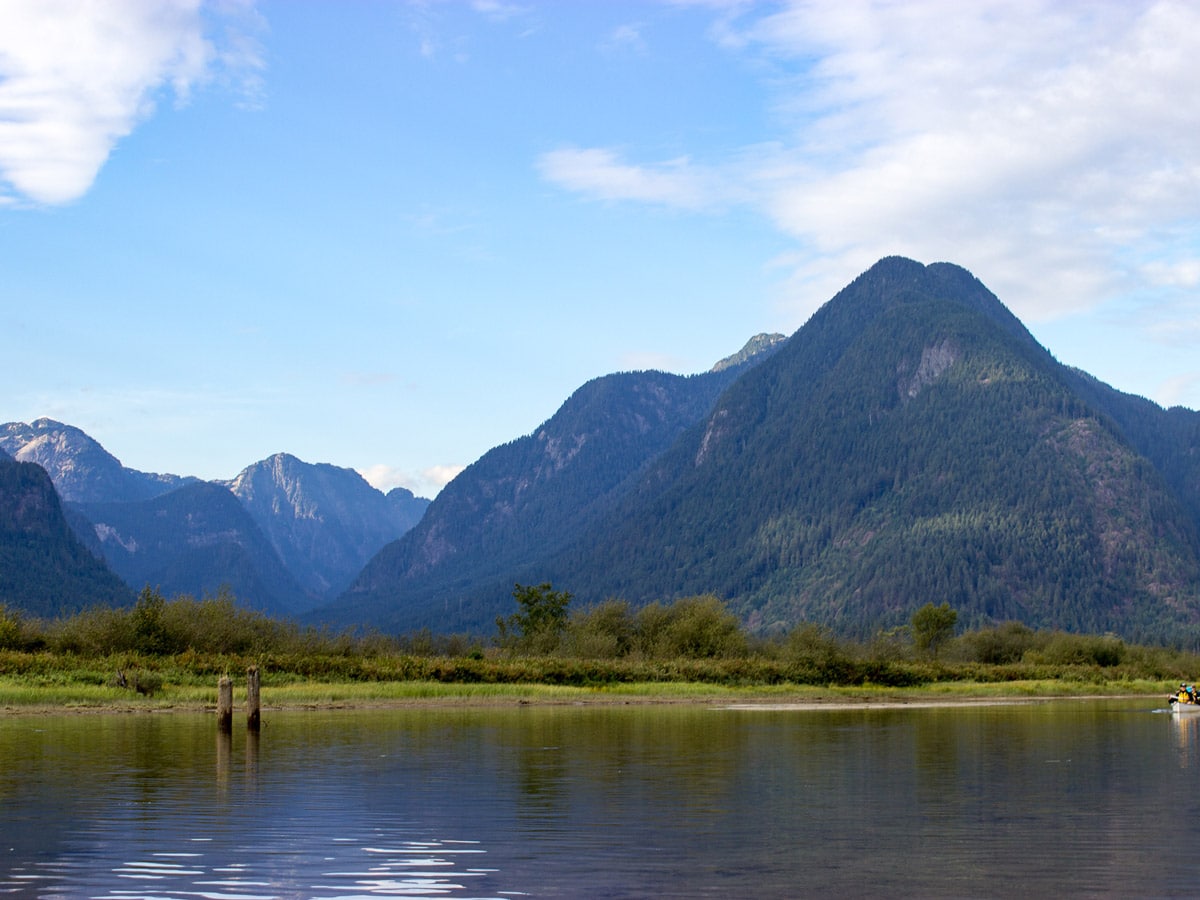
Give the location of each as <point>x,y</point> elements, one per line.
<point>1080,650</point>
<point>10,629</point>
<point>1006,643</point>
<point>604,631</point>
<point>698,628</point>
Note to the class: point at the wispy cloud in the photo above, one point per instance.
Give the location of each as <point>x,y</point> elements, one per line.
<point>626,37</point>
<point>76,78</point>
<point>599,172</point>
<point>1047,146</point>
<point>501,12</point>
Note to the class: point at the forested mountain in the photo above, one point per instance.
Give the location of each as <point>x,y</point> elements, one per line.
<point>82,470</point>
<point>529,497</point>
<point>44,569</point>
<point>325,522</point>
<point>195,540</point>
<point>911,443</point>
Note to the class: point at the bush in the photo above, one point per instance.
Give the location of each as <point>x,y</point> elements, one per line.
<point>696,628</point>
<point>604,631</point>
<point>815,656</point>
<point>10,629</point>
<point>1000,645</point>
<point>1081,650</point>
<point>93,632</point>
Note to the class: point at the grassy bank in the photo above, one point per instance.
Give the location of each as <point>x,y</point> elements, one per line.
<point>45,681</point>
<point>169,655</point>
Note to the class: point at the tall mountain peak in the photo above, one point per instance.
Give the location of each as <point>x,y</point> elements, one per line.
<point>912,442</point>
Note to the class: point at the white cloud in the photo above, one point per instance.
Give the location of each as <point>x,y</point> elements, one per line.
<point>1046,146</point>
<point>426,483</point>
<point>76,78</point>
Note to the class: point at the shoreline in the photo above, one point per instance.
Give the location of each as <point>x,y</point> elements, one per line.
<point>827,703</point>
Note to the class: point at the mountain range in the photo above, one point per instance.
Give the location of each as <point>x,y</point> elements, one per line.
<point>282,536</point>
<point>911,443</point>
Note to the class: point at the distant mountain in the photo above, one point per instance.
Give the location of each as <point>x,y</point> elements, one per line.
<point>911,443</point>
<point>44,570</point>
<point>82,470</point>
<point>525,499</point>
<point>284,535</point>
<point>324,522</point>
<point>195,540</point>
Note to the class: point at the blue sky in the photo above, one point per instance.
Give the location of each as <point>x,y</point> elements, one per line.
<point>393,235</point>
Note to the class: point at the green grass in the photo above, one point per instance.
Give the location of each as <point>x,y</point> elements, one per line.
<point>20,694</point>
<point>49,680</point>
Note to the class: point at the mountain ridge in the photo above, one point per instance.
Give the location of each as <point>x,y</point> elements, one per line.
<point>911,442</point>
<point>533,492</point>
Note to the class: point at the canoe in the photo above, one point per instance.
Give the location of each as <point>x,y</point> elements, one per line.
<point>1182,705</point>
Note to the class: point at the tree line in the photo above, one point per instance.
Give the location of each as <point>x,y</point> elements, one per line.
<point>545,639</point>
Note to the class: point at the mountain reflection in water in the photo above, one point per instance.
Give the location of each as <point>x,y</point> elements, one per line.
<point>1078,798</point>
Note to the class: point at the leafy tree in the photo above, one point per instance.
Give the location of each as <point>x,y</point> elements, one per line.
<point>150,633</point>
<point>932,626</point>
<point>541,621</point>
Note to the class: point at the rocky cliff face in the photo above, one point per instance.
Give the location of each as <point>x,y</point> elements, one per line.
<point>325,522</point>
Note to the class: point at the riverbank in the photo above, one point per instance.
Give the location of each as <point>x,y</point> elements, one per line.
<point>26,699</point>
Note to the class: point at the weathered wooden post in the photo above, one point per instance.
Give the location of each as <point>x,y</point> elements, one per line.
<point>252,702</point>
<point>225,705</point>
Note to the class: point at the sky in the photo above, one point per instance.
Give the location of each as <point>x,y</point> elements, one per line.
<point>391,236</point>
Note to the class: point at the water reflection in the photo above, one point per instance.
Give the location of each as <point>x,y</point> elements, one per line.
<point>1074,798</point>
<point>1186,729</point>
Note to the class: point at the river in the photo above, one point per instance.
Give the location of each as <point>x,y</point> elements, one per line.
<point>1069,797</point>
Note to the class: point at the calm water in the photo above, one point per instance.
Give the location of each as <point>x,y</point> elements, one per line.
<point>1078,798</point>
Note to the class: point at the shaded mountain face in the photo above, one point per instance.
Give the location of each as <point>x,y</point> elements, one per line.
<point>44,569</point>
<point>82,470</point>
<point>911,443</point>
<point>301,533</point>
<point>325,522</point>
<point>525,499</point>
<point>196,540</point>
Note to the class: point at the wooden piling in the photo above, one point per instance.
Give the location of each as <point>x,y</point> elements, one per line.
<point>225,705</point>
<point>252,701</point>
